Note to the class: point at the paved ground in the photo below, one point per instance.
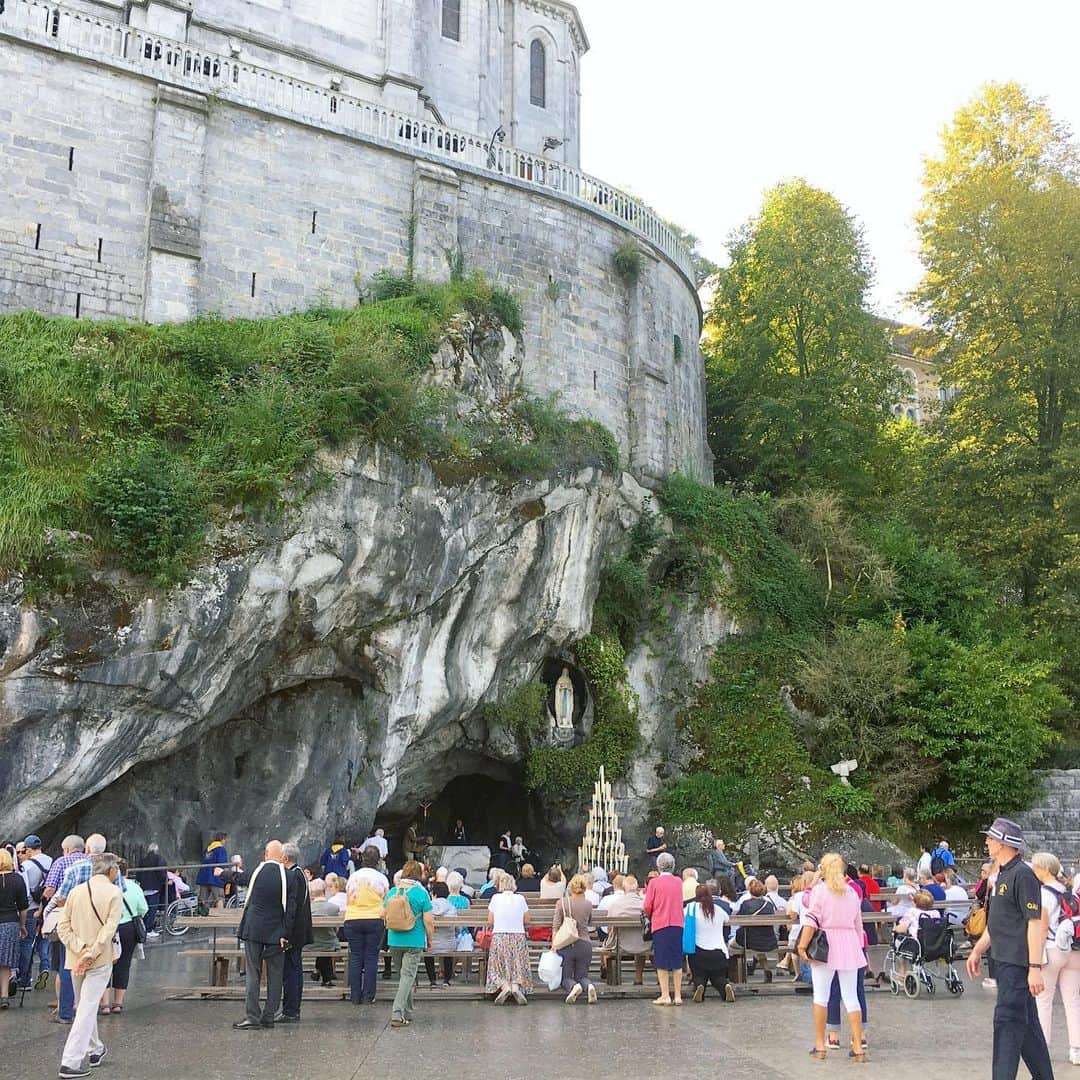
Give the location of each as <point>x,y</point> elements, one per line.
<point>754,1039</point>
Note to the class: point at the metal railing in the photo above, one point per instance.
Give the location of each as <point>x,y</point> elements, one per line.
<point>181,64</point>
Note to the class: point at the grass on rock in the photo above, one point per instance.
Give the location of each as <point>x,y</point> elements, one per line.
<point>121,442</point>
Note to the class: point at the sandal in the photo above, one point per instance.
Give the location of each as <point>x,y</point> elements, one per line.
<point>834,1042</point>
<point>819,1055</point>
<point>117,1009</point>
<point>859,1058</point>
<point>104,1010</point>
<point>661,1001</point>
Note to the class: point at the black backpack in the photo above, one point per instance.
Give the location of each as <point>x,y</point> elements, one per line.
<point>37,893</point>
<point>937,865</point>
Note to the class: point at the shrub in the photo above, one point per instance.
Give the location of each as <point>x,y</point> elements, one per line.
<point>726,546</point>
<point>628,261</point>
<point>150,508</point>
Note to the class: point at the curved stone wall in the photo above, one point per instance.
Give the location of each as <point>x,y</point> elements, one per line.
<point>133,198</point>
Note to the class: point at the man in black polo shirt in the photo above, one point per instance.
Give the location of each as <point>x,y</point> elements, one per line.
<point>1014,937</point>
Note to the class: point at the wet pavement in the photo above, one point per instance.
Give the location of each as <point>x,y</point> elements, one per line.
<point>758,1037</point>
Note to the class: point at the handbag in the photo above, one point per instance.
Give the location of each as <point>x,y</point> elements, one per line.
<point>817,948</point>
<point>975,923</point>
<point>567,934</point>
<point>464,942</point>
<point>137,923</point>
<point>483,939</point>
<point>689,931</point>
<point>646,927</point>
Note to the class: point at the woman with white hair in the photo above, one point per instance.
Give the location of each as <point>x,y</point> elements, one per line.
<point>457,903</point>
<point>1062,969</point>
<point>508,973</point>
<point>664,906</point>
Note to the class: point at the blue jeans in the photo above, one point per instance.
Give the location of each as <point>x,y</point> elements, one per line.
<point>365,938</point>
<point>26,952</point>
<point>67,989</point>
<point>292,984</point>
<point>834,999</point>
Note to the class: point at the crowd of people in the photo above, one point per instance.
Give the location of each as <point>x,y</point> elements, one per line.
<point>84,918</point>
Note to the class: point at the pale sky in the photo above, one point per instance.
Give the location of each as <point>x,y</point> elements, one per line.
<point>698,106</point>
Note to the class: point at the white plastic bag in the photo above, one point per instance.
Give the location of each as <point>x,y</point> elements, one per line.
<point>550,969</point>
<point>465,941</point>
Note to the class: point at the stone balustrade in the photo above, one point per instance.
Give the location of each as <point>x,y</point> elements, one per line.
<point>180,64</point>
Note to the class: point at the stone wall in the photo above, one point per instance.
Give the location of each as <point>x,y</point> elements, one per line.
<point>177,204</point>
<point>1053,822</point>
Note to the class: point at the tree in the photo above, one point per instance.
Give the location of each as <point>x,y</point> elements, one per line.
<point>800,376</point>
<point>984,715</point>
<point>1000,234</point>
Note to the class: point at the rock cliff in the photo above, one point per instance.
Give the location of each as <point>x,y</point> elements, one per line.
<point>327,666</point>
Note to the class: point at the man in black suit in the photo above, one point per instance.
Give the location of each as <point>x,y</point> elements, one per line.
<point>269,912</point>
<point>298,931</point>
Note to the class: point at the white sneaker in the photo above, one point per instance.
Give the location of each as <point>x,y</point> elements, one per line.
<point>153,935</point>
<point>592,994</point>
<point>1074,1055</point>
<point>989,984</point>
<point>574,994</point>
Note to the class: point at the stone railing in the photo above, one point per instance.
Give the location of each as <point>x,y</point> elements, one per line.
<point>181,64</point>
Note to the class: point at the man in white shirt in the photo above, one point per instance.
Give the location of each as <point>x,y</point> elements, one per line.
<point>378,841</point>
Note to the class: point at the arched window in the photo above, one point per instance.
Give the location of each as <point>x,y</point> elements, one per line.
<point>538,73</point>
<point>451,19</point>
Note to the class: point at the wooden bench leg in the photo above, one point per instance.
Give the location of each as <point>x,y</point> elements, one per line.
<point>220,971</point>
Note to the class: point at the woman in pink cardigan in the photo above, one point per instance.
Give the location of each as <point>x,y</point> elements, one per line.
<point>836,909</point>
<point>664,906</point>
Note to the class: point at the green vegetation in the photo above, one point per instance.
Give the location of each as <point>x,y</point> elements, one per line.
<point>908,597</point>
<point>800,376</point>
<point>522,710</point>
<point>627,261</point>
<point>134,438</point>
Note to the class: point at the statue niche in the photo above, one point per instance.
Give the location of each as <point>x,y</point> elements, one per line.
<point>568,706</point>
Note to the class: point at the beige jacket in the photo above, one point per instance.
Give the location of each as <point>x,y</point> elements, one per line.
<point>81,930</point>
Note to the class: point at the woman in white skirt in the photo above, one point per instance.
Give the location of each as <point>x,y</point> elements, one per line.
<point>508,972</point>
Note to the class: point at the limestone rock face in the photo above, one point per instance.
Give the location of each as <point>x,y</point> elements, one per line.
<point>332,667</point>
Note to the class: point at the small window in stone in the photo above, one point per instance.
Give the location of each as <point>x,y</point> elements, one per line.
<point>451,19</point>
<point>538,73</point>
<point>676,348</point>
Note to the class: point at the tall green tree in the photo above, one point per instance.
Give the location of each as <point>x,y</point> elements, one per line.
<point>800,376</point>
<point>1000,234</point>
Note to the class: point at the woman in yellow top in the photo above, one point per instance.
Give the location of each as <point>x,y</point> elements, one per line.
<point>365,891</point>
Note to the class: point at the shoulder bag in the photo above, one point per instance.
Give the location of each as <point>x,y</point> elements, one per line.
<point>817,948</point>
<point>117,948</point>
<point>138,923</point>
<point>689,932</point>
<point>567,934</point>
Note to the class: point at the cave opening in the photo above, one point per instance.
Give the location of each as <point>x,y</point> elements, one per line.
<point>487,806</point>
